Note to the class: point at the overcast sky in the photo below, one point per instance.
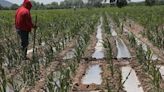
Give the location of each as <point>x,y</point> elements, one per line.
<point>48,1</point>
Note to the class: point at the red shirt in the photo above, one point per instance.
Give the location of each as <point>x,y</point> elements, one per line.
<point>23,19</point>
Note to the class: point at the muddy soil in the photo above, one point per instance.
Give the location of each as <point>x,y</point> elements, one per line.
<point>144,77</point>
<point>137,29</point>
<point>45,71</point>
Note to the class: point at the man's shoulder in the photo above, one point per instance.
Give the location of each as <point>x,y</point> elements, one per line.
<point>23,10</point>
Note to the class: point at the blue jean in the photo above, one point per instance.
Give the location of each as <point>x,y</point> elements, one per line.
<point>24,36</point>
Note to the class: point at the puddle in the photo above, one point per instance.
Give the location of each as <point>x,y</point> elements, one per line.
<point>99,49</point>
<point>70,54</point>
<point>93,75</point>
<point>99,32</point>
<point>161,70</point>
<point>132,84</point>
<point>98,55</point>
<point>113,32</point>
<point>123,51</point>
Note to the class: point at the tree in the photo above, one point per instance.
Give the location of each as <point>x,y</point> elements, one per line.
<point>78,3</point>
<point>53,5</point>
<point>37,5</point>
<point>149,2</point>
<point>95,3</point>
<point>121,3</point>
<point>62,4</point>
<point>1,7</point>
<point>71,3</point>
<point>14,7</point>
<point>111,1</point>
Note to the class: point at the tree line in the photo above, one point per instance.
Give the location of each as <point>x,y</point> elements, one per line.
<point>80,4</point>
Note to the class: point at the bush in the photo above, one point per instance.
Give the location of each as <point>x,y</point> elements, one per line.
<point>121,3</point>
<point>149,2</point>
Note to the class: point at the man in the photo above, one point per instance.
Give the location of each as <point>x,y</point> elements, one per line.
<point>24,25</point>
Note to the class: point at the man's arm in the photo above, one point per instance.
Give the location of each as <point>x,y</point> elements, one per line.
<point>28,20</point>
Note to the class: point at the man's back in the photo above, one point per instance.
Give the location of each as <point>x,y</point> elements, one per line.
<point>23,19</point>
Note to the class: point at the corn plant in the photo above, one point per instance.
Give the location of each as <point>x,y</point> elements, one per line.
<point>3,80</point>
<point>107,46</point>
<point>132,40</point>
<point>141,57</point>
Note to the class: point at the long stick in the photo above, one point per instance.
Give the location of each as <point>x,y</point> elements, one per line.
<point>34,37</point>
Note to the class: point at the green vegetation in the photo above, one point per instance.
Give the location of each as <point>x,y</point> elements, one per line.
<point>151,18</point>
<point>57,28</point>
<point>150,2</point>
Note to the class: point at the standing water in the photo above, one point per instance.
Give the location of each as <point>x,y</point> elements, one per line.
<point>93,75</point>
<point>99,53</point>
<point>123,51</point>
<point>132,83</point>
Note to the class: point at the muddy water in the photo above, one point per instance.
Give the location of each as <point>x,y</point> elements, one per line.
<point>99,49</point>
<point>99,53</point>
<point>132,84</point>
<point>122,49</point>
<point>93,75</point>
<point>70,54</point>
